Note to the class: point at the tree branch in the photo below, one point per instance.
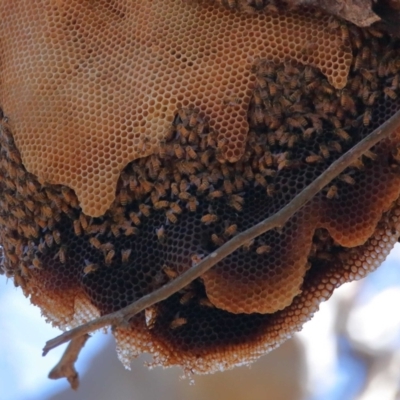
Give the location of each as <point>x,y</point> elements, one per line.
<point>275,221</point>
<point>66,366</point>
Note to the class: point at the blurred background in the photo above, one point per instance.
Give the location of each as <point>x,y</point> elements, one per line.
<point>349,350</point>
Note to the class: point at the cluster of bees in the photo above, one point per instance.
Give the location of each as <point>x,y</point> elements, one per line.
<point>298,121</point>
<point>309,121</point>
<point>250,6</point>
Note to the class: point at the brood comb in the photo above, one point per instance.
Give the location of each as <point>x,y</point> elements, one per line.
<point>122,122</point>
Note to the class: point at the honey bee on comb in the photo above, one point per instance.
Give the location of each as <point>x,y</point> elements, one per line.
<point>170,170</point>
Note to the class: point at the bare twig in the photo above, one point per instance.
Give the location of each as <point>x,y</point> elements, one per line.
<point>276,221</point>
<point>66,366</point>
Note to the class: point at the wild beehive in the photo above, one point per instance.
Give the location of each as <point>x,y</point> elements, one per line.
<point>140,136</point>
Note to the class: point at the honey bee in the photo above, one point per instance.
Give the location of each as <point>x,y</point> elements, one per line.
<point>333,145</point>
<point>257,115</point>
<point>248,173</point>
<point>205,302</point>
<point>389,92</point>
<point>90,268</point>
<point>178,150</point>
<point>292,141</point>
<point>209,219</point>
<point>231,101</point>
<point>365,53</point>
<point>130,230</point>
<point>162,149</point>
<point>57,236</point>
<point>248,245</point>
<point>115,230</point>
<point>145,185</point>
<point>134,218</point>
<point>175,208</point>
<point>282,164</point>
<point>14,259</point>
<point>204,185</point>
<point>324,151</point>
<point>183,185</point>
<point>194,133</point>
<point>347,178</point>
<point>215,194</point>
<point>69,196</point>
<point>184,196</point>
<point>296,122</point>
<point>177,322</point>
<point>20,214</point>
<point>342,134</point>
<point>171,217</point>
<point>160,232</point>
<point>231,230</point>
<point>77,227</point>
<point>190,153</point>
<point>174,189</point>
<point>237,199</point>
<point>228,186</point>
<point>371,99</point>
<point>109,257</point>
<point>62,254</point>
<point>367,74</point>
<point>271,9</point>
<point>217,240</point>
<point>30,205</point>
<point>144,209</point>
<point>272,88</point>
<point>192,204</point>
<point>48,238</point>
<point>346,101</point>
<point>367,117</point>
<point>95,242</point>
<point>239,182</point>
<point>161,204</point>
<point>258,101</point>
<point>196,258</point>
<point>358,62</point>
<point>155,164</point>
<point>205,157</point>
<point>123,197</point>
<point>19,281</point>
<point>133,184</point>
<point>14,156</point>
<point>37,263</point>
<point>24,270</point>
<point>171,274</point>
<point>395,81</point>
<point>270,190</point>
<point>106,247</point>
<point>263,249</point>
<point>195,180</point>
<point>332,192</point>
<point>186,297</point>
<point>42,246</point>
<point>309,74</point>
<point>83,221</point>
<point>260,180</point>
<point>150,314</point>
<point>193,118</point>
<point>125,254</point>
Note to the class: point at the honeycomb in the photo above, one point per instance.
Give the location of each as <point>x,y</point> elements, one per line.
<point>182,200</point>
<point>103,80</point>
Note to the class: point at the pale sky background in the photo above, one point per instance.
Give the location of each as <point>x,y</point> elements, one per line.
<point>335,371</point>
